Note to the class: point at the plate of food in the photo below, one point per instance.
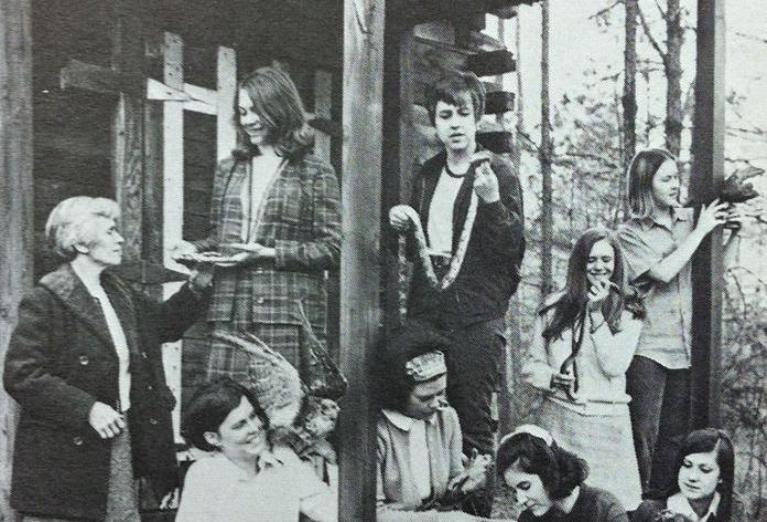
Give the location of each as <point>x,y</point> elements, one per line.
<point>210,257</point>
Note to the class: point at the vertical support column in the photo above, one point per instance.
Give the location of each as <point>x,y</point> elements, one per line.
<point>128,126</point>
<point>16,203</point>
<point>399,140</point>
<point>323,149</point>
<point>173,198</point>
<point>360,253</point>
<point>226,86</point>
<point>707,175</point>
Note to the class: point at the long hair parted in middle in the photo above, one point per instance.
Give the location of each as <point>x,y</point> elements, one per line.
<point>574,297</point>
<point>276,100</point>
<point>639,176</point>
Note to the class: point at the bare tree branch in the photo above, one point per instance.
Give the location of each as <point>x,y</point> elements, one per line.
<point>648,33</point>
<point>751,37</point>
<point>606,10</point>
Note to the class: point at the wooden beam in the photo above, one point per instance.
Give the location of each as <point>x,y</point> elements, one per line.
<point>80,75</point>
<point>420,11</point>
<point>16,204</point>
<point>399,161</point>
<point>173,201</point>
<point>128,125</point>
<point>226,89</point>
<point>360,252</point>
<point>707,176</point>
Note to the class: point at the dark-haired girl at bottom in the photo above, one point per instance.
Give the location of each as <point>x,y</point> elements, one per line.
<point>704,475</point>
<point>548,482</point>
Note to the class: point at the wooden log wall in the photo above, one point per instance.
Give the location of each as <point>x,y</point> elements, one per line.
<point>16,203</point>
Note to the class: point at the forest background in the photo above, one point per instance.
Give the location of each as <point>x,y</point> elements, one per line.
<point>572,171</point>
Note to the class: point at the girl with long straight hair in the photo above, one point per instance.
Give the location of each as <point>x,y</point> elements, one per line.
<point>584,340</point>
<point>275,227</point>
<point>659,239</point>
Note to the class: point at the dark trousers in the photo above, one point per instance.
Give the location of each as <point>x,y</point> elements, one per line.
<point>660,419</point>
<point>472,377</point>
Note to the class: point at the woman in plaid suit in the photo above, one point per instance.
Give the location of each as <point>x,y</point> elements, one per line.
<point>276,211</point>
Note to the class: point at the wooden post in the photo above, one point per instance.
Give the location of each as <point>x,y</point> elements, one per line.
<point>707,175</point>
<point>16,203</point>
<point>360,253</point>
<point>398,141</point>
<point>128,126</point>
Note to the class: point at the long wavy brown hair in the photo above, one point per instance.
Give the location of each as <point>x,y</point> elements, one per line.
<point>574,297</point>
<point>276,101</point>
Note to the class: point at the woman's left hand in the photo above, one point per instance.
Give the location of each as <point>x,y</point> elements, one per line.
<point>256,250</point>
<point>474,475</point>
<point>598,291</point>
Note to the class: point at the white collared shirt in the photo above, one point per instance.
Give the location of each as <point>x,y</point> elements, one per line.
<point>117,334</point>
<point>679,504</point>
<point>217,490</point>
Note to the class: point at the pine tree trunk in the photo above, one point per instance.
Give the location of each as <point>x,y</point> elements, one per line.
<point>547,219</point>
<point>629,99</point>
<point>673,68</point>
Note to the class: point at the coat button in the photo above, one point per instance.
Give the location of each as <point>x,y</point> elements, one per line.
<point>84,360</point>
<point>77,441</point>
<point>144,355</point>
<point>260,300</point>
<point>153,421</point>
<point>149,387</point>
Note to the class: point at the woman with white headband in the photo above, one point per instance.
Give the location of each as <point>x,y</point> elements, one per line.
<point>549,482</point>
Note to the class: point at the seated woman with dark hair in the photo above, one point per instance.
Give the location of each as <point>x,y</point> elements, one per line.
<point>245,479</point>
<point>420,471</point>
<point>548,481</point>
<point>702,491</point>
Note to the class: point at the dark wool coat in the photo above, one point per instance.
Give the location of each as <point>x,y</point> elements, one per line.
<point>301,220</point>
<point>490,271</point>
<point>60,361</point>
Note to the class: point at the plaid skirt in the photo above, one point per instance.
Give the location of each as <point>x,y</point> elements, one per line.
<point>226,360</point>
<point>605,442</point>
<point>122,497</point>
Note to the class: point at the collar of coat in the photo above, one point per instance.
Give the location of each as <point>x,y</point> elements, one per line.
<point>69,289</point>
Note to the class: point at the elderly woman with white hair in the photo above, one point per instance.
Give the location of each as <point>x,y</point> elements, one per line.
<point>85,365</point>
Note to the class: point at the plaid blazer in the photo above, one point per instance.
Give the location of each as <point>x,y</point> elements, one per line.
<point>300,219</point>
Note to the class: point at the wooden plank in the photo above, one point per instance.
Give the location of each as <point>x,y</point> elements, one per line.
<point>95,78</point>
<point>707,176</point>
<point>323,94</point>
<point>173,201</point>
<point>360,252</point>
<point>226,85</point>
<point>16,204</point>
<point>399,164</point>
<point>128,126</point>
<point>153,166</point>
